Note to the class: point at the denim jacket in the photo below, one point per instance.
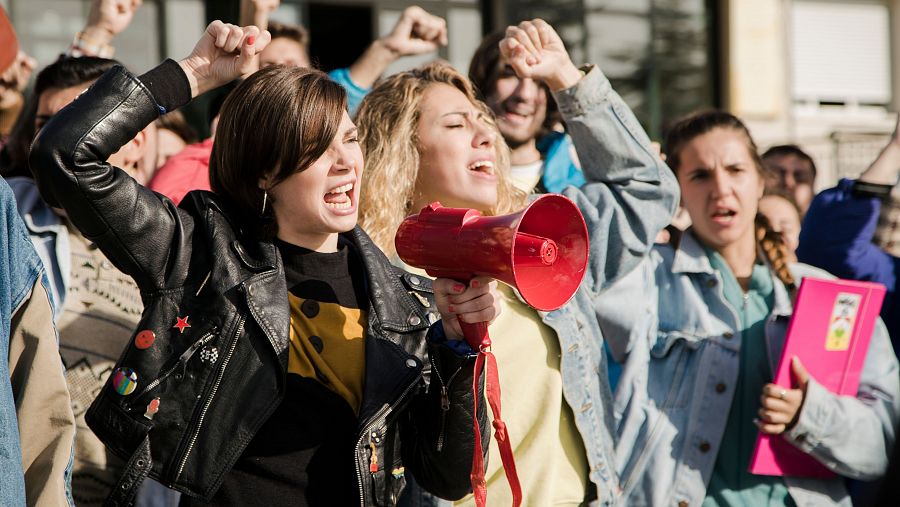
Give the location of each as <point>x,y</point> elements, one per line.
<point>669,324</point>
<point>20,269</point>
<point>48,235</point>
<point>629,196</point>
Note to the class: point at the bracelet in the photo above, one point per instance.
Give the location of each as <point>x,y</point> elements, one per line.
<point>83,45</point>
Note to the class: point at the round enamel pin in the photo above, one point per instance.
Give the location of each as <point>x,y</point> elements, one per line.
<point>124,381</point>
<point>144,339</point>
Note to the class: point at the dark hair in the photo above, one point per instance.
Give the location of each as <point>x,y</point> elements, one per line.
<point>276,123</point>
<point>484,71</point>
<point>296,33</point>
<point>695,125</point>
<point>176,122</point>
<point>789,149</point>
<point>692,126</point>
<point>65,72</point>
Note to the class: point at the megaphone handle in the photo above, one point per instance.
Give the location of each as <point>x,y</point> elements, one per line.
<point>476,335</point>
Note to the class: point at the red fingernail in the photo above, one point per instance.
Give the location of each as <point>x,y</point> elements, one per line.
<point>475,283</point>
<point>459,287</point>
<point>251,40</point>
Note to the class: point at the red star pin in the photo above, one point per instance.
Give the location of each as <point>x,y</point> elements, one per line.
<point>182,323</point>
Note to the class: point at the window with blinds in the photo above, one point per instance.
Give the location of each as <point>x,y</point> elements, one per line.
<point>840,52</point>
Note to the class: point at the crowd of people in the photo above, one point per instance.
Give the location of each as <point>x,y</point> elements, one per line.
<point>227,321</point>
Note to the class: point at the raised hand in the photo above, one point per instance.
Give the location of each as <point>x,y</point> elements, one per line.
<point>416,32</point>
<point>256,12</point>
<point>535,50</point>
<point>223,53</point>
<point>108,18</point>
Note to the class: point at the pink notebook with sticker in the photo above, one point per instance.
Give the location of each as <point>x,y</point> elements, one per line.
<point>830,331</point>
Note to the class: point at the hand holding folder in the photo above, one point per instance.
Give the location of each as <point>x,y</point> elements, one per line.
<point>829,332</point>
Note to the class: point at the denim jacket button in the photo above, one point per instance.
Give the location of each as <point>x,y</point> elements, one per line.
<point>728,335</point>
<point>711,282</point>
<point>414,320</point>
<point>720,387</point>
<point>411,363</point>
<point>414,280</point>
<point>704,447</point>
<point>683,503</point>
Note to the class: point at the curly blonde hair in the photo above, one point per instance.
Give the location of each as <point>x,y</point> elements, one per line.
<point>388,120</point>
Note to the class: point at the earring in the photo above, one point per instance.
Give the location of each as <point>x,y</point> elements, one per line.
<point>265,197</point>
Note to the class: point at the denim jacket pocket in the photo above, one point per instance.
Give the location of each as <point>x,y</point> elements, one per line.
<point>670,360</point>
<point>665,340</point>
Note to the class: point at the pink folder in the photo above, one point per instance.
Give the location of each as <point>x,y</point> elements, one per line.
<point>830,332</point>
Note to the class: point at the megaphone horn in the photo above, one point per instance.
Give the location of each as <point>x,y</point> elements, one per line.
<point>541,251</point>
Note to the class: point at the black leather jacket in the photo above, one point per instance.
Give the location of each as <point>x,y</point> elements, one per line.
<point>195,262</point>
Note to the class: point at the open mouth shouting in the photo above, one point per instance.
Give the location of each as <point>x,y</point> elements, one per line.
<point>722,215</point>
<point>340,198</point>
<point>483,169</point>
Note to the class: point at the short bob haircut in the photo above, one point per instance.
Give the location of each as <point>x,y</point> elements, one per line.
<point>274,124</point>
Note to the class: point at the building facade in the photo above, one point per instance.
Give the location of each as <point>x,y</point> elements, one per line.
<point>819,73</point>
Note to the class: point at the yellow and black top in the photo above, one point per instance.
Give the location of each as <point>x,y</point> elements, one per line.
<point>302,452</point>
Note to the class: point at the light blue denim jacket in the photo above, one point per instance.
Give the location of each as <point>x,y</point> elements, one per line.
<point>669,324</point>
<point>48,235</point>
<point>629,196</point>
<point>20,269</point>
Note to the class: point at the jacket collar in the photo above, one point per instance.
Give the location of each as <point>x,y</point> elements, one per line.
<point>690,257</point>
<point>37,215</point>
<point>397,311</point>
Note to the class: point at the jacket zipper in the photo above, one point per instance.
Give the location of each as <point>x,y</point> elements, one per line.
<point>180,363</point>
<point>366,431</point>
<point>445,400</point>
<point>212,395</point>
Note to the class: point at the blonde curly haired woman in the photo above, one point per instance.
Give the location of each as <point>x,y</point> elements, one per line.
<point>426,138</point>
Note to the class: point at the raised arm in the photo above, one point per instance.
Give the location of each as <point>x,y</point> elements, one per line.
<point>630,194</point>
<point>145,235</point>
<point>840,223</point>
<point>106,20</point>
<point>416,33</point>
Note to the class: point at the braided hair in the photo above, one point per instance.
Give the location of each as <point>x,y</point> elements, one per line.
<point>771,243</point>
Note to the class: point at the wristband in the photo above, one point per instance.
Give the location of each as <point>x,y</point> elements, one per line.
<point>865,189</point>
<point>83,45</point>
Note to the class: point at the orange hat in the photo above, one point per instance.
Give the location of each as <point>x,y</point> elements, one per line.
<point>9,46</point>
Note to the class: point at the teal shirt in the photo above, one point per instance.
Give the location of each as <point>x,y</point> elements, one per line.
<point>730,483</point>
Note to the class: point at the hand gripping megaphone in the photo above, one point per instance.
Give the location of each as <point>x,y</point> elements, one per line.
<point>540,251</point>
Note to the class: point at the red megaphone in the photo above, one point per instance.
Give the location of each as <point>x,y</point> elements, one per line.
<point>541,251</point>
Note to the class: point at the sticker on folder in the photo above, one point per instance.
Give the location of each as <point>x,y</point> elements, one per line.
<point>843,317</point>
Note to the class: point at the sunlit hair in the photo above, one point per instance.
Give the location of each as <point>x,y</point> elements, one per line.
<point>274,124</point>
<point>388,121</point>
<point>771,243</point>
